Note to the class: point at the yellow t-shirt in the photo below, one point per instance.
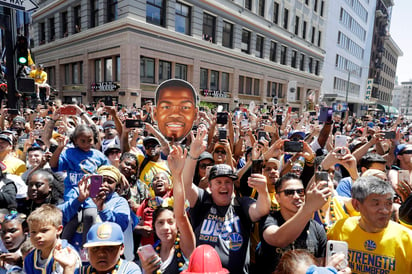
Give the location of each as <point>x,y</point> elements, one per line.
<point>14,166</point>
<point>388,251</point>
<point>150,170</point>
<point>40,77</point>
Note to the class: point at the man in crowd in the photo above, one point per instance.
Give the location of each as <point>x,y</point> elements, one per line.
<point>292,227</point>
<point>376,244</point>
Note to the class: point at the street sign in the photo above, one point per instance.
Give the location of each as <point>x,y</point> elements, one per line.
<point>25,5</point>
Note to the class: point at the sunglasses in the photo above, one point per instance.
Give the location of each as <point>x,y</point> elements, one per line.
<point>220,151</point>
<point>291,192</point>
<point>151,146</point>
<point>406,152</point>
<point>112,127</point>
<point>203,166</point>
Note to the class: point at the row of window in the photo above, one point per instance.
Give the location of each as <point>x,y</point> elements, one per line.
<point>347,65</point>
<point>49,33</point>
<point>315,6</point>
<point>347,20</point>
<point>359,9</point>
<point>214,80</point>
<point>165,70</point>
<point>341,85</point>
<point>346,43</point>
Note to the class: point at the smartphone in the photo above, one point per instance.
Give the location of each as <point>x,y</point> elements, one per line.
<point>108,100</point>
<point>257,166</point>
<point>325,114</point>
<point>244,123</point>
<point>293,146</point>
<point>337,247</point>
<point>134,123</point>
<point>147,251</point>
<point>321,176</point>
<point>68,110</point>
<point>96,182</point>
<point>312,113</point>
<point>221,118</point>
<point>389,134</point>
<point>261,134</point>
<point>341,141</point>
<point>404,176</point>
<point>265,117</point>
<point>279,119</point>
<point>222,134</point>
<point>13,111</point>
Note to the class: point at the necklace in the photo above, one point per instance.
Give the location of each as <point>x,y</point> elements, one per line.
<point>178,253</point>
<point>327,224</point>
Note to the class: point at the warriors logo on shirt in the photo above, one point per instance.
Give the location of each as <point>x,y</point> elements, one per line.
<point>236,241</point>
<point>369,245</point>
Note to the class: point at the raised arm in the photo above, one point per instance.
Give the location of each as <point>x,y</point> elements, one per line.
<point>196,148</point>
<point>176,161</point>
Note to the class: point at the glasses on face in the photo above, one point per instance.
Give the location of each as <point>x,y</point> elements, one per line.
<point>291,192</point>
<point>409,151</point>
<point>220,151</point>
<point>149,146</point>
<point>109,127</point>
<point>204,166</point>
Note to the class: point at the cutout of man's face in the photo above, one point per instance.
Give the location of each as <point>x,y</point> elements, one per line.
<point>175,112</point>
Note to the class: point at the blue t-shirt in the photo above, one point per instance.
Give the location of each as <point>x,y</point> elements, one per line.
<point>344,188</point>
<point>77,162</point>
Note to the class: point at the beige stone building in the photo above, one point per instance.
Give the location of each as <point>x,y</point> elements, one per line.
<point>229,50</point>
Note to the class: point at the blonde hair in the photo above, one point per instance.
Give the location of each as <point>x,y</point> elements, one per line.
<point>47,214</point>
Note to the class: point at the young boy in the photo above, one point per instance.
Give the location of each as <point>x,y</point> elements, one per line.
<point>105,245</point>
<point>45,227</point>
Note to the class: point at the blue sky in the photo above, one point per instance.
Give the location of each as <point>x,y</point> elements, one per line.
<point>402,35</point>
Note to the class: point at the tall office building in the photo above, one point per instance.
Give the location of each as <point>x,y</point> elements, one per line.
<point>348,50</point>
<point>384,58</point>
<point>245,50</point>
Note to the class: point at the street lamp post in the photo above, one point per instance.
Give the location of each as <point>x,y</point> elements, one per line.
<point>347,87</point>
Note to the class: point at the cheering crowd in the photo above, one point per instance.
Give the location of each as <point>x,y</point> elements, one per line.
<point>111,188</point>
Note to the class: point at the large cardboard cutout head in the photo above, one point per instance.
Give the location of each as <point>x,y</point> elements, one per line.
<point>175,108</point>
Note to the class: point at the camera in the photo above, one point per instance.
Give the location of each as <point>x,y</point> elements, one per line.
<point>221,118</point>
<point>133,123</point>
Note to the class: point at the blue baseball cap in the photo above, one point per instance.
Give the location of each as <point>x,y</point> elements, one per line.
<point>104,234</point>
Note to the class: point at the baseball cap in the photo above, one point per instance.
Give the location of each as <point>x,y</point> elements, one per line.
<point>109,123</point>
<point>301,134</point>
<point>221,170</point>
<point>19,119</point>
<point>150,139</point>
<point>205,155</point>
<point>398,149</point>
<point>111,147</point>
<point>104,234</point>
<point>7,138</point>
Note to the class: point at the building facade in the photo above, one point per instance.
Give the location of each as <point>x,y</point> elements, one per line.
<point>348,49</point>
<point>229,50</point>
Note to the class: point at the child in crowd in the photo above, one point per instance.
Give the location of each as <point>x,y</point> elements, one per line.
<point>77,161</point>
<point>13,235</point>
<point>105,246</point>
<point>45,227</point>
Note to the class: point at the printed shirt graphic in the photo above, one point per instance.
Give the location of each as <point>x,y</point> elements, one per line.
<point>389,251</point>
<point>224,229</point>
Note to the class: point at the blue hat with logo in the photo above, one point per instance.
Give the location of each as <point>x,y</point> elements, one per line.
<point>301,134</point>
<point>104,234</point>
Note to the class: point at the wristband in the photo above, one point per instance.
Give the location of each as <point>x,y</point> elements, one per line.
<point>191,157</point>
<point>83,113</point>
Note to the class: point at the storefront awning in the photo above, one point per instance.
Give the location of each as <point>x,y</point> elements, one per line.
<point>387,109</point>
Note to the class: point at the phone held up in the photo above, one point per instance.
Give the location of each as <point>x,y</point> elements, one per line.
<point>96,182</point>
<point>257,166</point>
<point>337,247</point>
<point>293,146</point>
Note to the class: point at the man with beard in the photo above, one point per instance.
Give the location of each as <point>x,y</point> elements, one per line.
<point>151,163</point>
<point>176,109</point>
<point>292,227</point>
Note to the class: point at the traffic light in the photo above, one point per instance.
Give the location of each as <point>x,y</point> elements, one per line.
<point>22,51</point>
